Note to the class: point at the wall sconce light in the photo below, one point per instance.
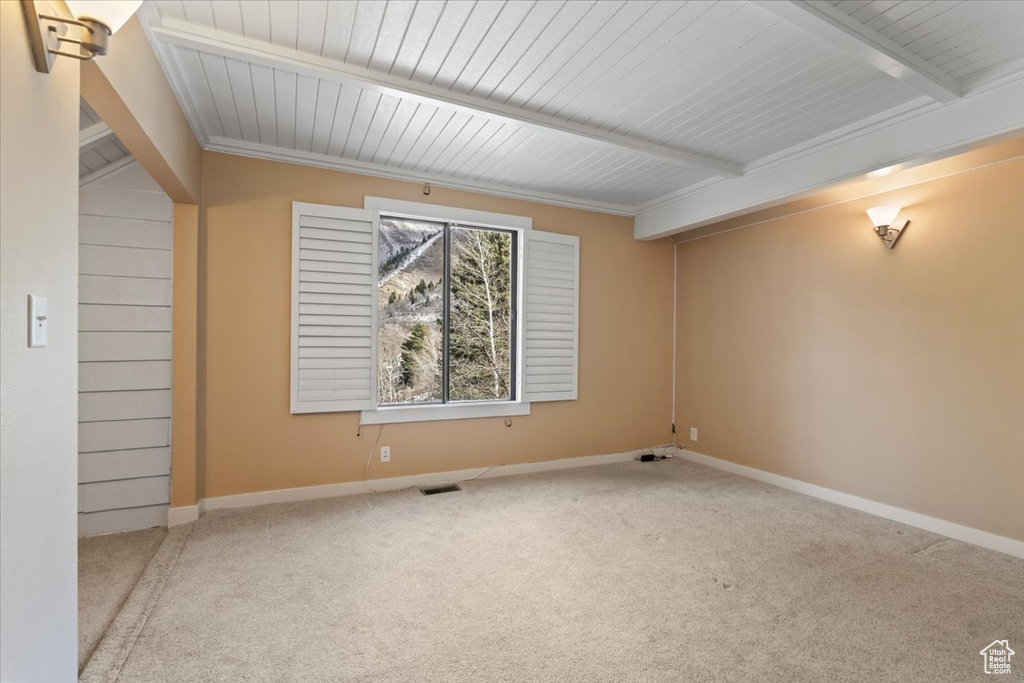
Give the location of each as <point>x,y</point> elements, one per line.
<point>98,20</point>
<point>884,220</point>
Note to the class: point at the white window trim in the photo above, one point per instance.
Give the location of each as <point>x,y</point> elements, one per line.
<point>455,411</point>
<point>450,411</point>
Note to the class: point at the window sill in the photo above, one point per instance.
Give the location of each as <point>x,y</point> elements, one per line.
<point>463,411</point>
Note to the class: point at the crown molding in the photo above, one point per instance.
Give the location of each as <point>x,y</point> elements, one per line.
<point>303,158</point>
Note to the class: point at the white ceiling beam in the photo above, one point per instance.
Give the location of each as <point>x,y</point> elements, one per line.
<point>937,132</point>
<point>93,135</point>
<point>257,52</point>
<point>839,29</point>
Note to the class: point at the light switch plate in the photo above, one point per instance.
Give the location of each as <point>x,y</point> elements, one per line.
<point>38,321</point>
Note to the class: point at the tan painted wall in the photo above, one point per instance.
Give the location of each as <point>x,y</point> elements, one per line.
<point>129,91</point>
<point>38,386</point>
<point>184,354</point>
<point>808,349</point>
<point>250,441</point>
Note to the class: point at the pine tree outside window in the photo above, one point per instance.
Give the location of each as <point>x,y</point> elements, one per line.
<point>446,296</point>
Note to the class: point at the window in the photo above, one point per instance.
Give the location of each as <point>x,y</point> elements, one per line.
<point>410,312</point>
<point>446,301</point>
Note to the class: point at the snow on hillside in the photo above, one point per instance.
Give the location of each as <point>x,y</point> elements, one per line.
<point>398,236</point>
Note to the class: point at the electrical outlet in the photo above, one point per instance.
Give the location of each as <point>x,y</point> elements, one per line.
<point>385,453</point>
<point>693,433</point>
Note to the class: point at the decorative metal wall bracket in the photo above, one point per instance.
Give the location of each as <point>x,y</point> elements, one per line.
<point>47,33</point>
<point>891,233</point>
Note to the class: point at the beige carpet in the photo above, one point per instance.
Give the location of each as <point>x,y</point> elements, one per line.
<point>667,571</point>
<point>108,568</point>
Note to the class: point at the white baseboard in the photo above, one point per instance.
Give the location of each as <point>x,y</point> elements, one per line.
<point>959,532</point>
<point>182,515</point>
<point>397,483</point>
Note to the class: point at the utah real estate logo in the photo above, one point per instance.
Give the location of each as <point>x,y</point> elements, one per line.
<point>997,657</point>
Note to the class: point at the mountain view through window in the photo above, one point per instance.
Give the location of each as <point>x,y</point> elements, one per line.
<point>446,310</point>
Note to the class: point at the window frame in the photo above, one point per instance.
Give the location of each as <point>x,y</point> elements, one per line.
<point>469,218</point>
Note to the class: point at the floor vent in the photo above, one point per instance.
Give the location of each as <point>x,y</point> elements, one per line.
<point>440,489</point>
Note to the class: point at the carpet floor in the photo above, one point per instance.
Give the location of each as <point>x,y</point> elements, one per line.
<point>108,568</point>
<point>667,571</point>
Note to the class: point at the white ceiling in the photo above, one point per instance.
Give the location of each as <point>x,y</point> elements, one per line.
<point>970,41</point>
<point>101,148</point>
<point>611,105</point>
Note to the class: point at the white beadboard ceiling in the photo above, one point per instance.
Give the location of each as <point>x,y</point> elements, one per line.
<point>970,41</point>
<point>100,148</point>
<point>610,105</point>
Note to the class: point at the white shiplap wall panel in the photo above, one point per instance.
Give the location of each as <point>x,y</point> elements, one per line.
<point>141,291</point>
<point>124,232</point>
<point>123,346</point>
<point>124,464</point>
<point>114,376</point>
<point>125,243</point>
<point>101,406</point>
<point>102,496</point>
<point>117,202</point>
<point>121,519</point>
<point>117,435</point>
<point>123,318</point>
<point>123,261</point>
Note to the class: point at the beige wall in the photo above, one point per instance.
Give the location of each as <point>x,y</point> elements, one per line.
<point>129,91</point>
<point>808,349</point>
<point>38,386</point>
<point>250,441</point>
<point>184,354</point>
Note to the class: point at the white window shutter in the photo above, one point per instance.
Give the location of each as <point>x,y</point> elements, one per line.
<point>551,325</point>
<point>334,309</point>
